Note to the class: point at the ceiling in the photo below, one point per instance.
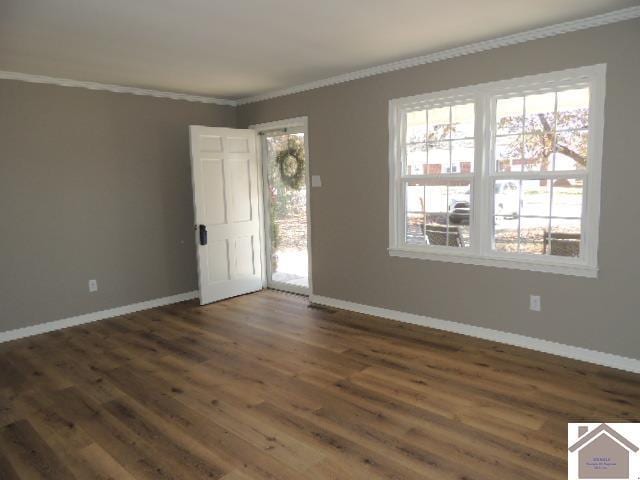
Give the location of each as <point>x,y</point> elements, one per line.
<point>239,48</point>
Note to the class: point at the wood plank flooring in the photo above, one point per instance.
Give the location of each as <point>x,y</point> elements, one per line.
<point>264,387</point>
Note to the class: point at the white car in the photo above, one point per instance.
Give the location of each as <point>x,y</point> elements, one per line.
<point>507,203</point>
<point>507,199</point>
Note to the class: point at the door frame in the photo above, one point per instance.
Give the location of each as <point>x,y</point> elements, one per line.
<point>261,128</point>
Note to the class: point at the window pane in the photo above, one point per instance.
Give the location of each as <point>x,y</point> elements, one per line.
<point>519,235</point>
<point>415,198</point>
<point>538,148</point>
<point>536,198</point>
<point>506,234</point>
<point>462,153</point>
<point>542,148</point>
<point>509,153</point>
<point>521,210</point>
<point>571,150</point>
<point>429,147</point>
<point>526,210</point>
<point>567,198</point>
<point>507,198</point>
<point>439,126</point>
<point>417,126</point>
<point>509,115</point>
<point>444,213</point>
<point>438,158</point>
<point>415,229</point>
<point>540,112</point>
<point>565,238</point>
<point>573,109</point>
<point>532,231</point>
<point>463,121</point>
<point>416,158</point>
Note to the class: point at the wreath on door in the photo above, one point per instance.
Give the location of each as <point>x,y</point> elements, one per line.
<point>291,164</point>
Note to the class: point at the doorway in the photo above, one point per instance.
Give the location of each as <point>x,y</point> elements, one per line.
<point>285,172</point>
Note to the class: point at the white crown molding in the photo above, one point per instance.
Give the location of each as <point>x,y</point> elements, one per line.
<point>67,82</point>
<point>538,33</point>
<point>93,317</point>
<point>546,346</point>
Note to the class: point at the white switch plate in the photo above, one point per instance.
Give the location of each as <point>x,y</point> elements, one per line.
<point>535,303</point>
<point>316,181</point>
<point>93,285</point>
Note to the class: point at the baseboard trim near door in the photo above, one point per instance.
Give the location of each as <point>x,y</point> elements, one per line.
<point>94,317</point>
<point>546,346</point>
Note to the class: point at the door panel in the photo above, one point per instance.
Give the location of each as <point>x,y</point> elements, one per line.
<point>240,190</point>
<point>244,257</point>
<point>210,143</point>
<point>213,190</point>
<point>238,145</point>
<point>225,186</point>
<point>218,261</point>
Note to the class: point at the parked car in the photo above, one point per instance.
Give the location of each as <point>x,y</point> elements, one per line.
<point>507,203</point>
<point>507,199</point>
<point>459,212</point>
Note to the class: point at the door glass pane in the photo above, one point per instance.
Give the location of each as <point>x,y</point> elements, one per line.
<point>286,198</point>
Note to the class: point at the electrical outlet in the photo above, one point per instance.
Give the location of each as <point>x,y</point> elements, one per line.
<point>316,181</point>
<point>535,303</point>
<point>93,285</point>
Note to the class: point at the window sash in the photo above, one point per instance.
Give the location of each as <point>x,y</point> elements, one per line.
<point>485,173</point>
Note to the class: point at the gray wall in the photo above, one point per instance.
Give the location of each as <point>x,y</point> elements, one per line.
<point>93,185</point>
<point>348,147</point>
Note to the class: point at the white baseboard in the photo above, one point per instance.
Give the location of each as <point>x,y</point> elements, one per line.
<point>546,346</point>
<point>93,317</point>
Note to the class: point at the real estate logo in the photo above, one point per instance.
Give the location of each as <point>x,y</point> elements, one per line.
<point>604,450</point>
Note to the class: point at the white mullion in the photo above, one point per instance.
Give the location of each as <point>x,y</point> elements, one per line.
<point>540,175</point>
<point>482,216</point>
<point>553,168</point>
<point>450,170</point>
<point>522,159</point>
<point>450,145</point>
<point>426,137</point>
<point>555,131</point>
<point>401,214</point>
<point>444,177</point>
<point>519,211</point>
<point>550,215</point>
<point>402,123</point>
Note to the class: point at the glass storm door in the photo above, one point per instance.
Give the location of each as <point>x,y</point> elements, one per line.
<point>285,172</point>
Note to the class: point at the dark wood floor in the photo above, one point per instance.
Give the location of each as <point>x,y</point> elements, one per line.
<point>262,386</point>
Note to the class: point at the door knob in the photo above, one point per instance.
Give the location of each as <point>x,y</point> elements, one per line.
<point>203,234</point>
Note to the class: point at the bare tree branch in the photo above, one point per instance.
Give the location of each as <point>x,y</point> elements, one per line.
<point>571,154</point>
<point>565,150</point>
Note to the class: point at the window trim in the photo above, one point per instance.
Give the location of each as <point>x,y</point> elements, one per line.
<point>484,96</point>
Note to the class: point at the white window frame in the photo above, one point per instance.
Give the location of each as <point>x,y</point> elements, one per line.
<point>484,173</point>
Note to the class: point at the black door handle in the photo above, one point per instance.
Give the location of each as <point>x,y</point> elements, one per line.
<point>203,234</point>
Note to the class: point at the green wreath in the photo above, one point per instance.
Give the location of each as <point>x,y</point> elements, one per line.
<point>291,165</point>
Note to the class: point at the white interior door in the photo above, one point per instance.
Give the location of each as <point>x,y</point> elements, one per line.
<point>224,168</point>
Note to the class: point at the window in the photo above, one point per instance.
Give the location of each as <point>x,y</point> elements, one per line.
<point>503,174</point>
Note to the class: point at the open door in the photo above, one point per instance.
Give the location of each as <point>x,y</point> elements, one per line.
<point>224,169</point>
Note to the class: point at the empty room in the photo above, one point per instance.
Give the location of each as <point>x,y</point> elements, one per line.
<point>340,239</point>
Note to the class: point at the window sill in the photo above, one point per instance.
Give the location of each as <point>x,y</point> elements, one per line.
<point>531,264</point>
